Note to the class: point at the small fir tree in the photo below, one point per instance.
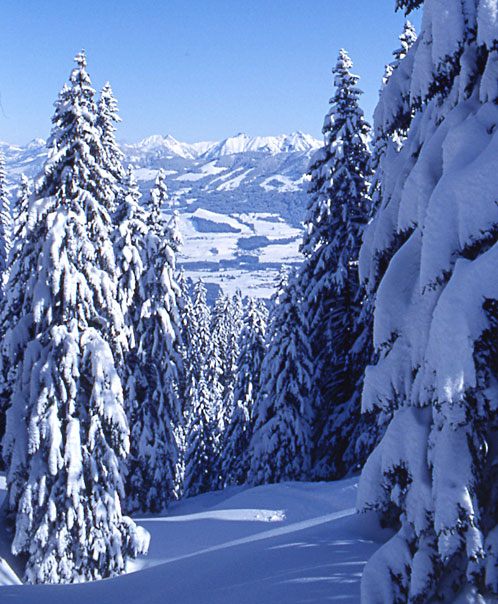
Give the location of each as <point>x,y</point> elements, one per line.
<point>280,447</point>
<point>200,446</point>
<point>237,436</point>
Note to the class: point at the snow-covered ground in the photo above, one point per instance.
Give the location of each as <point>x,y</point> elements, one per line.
<point>292,543</point>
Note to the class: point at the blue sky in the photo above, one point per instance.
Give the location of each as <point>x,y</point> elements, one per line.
<point>196,69</point>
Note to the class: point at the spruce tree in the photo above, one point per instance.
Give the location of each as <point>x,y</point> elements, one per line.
<point>200,443</point>
<point>107,118</point>
<point>9,316</point>
<point>393,114</point>
<point>280,448</point>
<point>336,214</point>
<point>66,428</point>
<point>226,324</point>
<point>234,463</point>
<point>153,462</point>
<point>21,209</point>
<point>158,199</point>
<point>430,256</point>
<point>131,228</point>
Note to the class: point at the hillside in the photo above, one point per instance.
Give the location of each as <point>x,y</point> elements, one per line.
<point>241,200</point>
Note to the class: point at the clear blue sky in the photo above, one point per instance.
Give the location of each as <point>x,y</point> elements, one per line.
<point>196,69</point>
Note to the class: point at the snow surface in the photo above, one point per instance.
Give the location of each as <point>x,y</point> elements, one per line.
<point>292,542</point>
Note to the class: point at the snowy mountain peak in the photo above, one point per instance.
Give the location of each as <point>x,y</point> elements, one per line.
<point>36,143</point>
<point>158,145</point>
<point>296,142</point>
<point>164,145</point>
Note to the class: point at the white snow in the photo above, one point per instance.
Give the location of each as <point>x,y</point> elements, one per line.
<point>190,177</point>
<point>147,174</point>
<point>220,218</point>
<point>233,183</point>
<point>280,183</point>
<point>212,168</point>
<point>292,542</point>
<point>242,143</point>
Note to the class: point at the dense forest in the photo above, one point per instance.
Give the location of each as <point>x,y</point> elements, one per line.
<point>122,390</point>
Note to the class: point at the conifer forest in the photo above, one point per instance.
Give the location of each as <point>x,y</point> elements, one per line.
<point>357,408</point>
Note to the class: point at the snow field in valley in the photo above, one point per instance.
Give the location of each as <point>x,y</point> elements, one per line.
<point>291,542</point>
<point>228,249</point>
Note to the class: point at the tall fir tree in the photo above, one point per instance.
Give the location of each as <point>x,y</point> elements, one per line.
<point>430,256</point>
<point>332,297</point>
<point>280,448</point>
<point>66,427</point>
<point>235,462</point>
<point>153,462</point>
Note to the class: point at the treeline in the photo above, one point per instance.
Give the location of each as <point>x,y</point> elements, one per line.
<point>121,389</point>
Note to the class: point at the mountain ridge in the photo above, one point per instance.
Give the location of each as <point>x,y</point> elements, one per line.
<point>295,142</point>
<point>241,200</point>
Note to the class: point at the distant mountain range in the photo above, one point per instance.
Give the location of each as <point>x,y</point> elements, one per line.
<point>241,200</point>
<point>167,146</point>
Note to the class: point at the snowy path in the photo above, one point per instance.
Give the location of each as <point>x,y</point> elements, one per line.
<point>218,548</point>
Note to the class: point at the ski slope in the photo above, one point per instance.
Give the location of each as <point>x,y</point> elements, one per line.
<point>293,543</point>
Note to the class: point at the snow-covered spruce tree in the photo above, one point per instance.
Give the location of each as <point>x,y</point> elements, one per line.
<point>131,228</point>
<point>332,297</point>
<point>128,237</point>
<point>152,464</point>
<point>184,310</point>
<point>200,453</point>
<point>393,117</point>
<point>393,114</point>
<point>5,221</point>
<point>21,209</point>
<point>407,38</point>
<point>226,325</point>
<point>234,460</point>
<point>431,254</point>
<point>280,448</point>
<point>107,118</point>
<point>9,315</point>
<point>66,427</point>
<point>201,445</point>
<point>158,198</point>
